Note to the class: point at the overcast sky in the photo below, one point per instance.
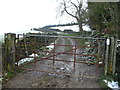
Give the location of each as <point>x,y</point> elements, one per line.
<point>23,15</point>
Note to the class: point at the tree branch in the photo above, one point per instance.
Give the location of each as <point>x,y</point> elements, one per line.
<point>65,8</point>
<point>78,2</point>
<point>74,5</point>
<point>69,13</point>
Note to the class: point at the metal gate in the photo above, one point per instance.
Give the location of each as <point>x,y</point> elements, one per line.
<point>65,55</point>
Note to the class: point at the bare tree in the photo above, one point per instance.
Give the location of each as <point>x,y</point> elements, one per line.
<point>75,9</point>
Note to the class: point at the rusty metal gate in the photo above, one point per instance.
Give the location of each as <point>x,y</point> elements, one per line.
<point>65,55</point>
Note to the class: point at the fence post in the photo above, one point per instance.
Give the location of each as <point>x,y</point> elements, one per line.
<point>99,52</point>
<point>114,58</point>
<point>17,51</point>
<point>1,50</point>
<point>110,61</point>
<point>112,55</point>
<point>106,56</point>
<point>9,55</point>
<point>25,45</point>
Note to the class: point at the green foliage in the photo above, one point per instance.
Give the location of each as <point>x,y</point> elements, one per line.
<point>103,16</point>
<point>81,42</point>
<point>102,83</point>
<point>10,74</point>
<point>108,78</point>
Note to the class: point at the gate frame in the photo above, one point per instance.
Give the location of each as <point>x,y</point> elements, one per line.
<point>91,38</point>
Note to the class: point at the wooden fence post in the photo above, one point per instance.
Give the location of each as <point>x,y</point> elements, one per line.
<point>114,58</point>
<point>0,59</point>
<point>106,56</point>
<point>110,61</point>
<point>9,55</point>
<point>25,45</point>
<point>99,52</point>
<point>112,55</point>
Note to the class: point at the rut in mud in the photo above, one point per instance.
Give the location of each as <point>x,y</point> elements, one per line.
<point>36,79</point>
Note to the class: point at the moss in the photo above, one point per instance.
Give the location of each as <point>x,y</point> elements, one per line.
<point>101,82</point>
<point>10,75</point>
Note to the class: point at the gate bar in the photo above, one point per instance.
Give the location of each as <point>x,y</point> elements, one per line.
<point>59,45</point>
<point>64,36</point>
<point>58,60</point>
<point>76,75</point>
<point>64,53</point>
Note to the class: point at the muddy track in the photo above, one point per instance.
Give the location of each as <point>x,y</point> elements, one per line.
<point>85,70</point>
<point>35,79</point>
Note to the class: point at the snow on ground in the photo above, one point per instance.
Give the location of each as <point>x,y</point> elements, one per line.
<point>113,84</point>
<point>24,60</point>
<point>33,55</point>
<point>100,62</point>
<point>50,47</point>
<point>27,59</point>
<point>118,45</point>
<point>1,78</point>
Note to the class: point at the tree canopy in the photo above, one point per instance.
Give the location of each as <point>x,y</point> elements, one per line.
<point>104,17</point>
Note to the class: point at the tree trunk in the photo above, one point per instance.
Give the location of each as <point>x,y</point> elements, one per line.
<point>80,26</point>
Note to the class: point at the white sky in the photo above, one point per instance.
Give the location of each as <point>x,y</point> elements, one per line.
<point>23,15</point>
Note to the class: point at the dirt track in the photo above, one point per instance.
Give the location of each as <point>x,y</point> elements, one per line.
<point>35,79</point>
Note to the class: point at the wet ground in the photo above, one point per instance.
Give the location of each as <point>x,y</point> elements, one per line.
<point>82,76</point>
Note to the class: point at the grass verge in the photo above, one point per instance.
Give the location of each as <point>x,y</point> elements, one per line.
<point>109,78</point>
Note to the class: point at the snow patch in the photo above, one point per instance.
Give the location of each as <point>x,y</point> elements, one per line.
<point>27,59</point>
<point>47,54</point>
<point>88,45</point>
<point>62,68</point>
<point>113,84</point>
<point>24,60</point>
<point>87,42</point>
<point>33,55</point>
<point>100,62</point>
<point>118,45</point>
<point>50,47</point>
<point>1,79</point>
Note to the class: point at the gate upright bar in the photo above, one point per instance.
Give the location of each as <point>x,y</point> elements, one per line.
<point>75,55</point>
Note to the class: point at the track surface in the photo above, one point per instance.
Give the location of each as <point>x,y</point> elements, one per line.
<point>36,79</point>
